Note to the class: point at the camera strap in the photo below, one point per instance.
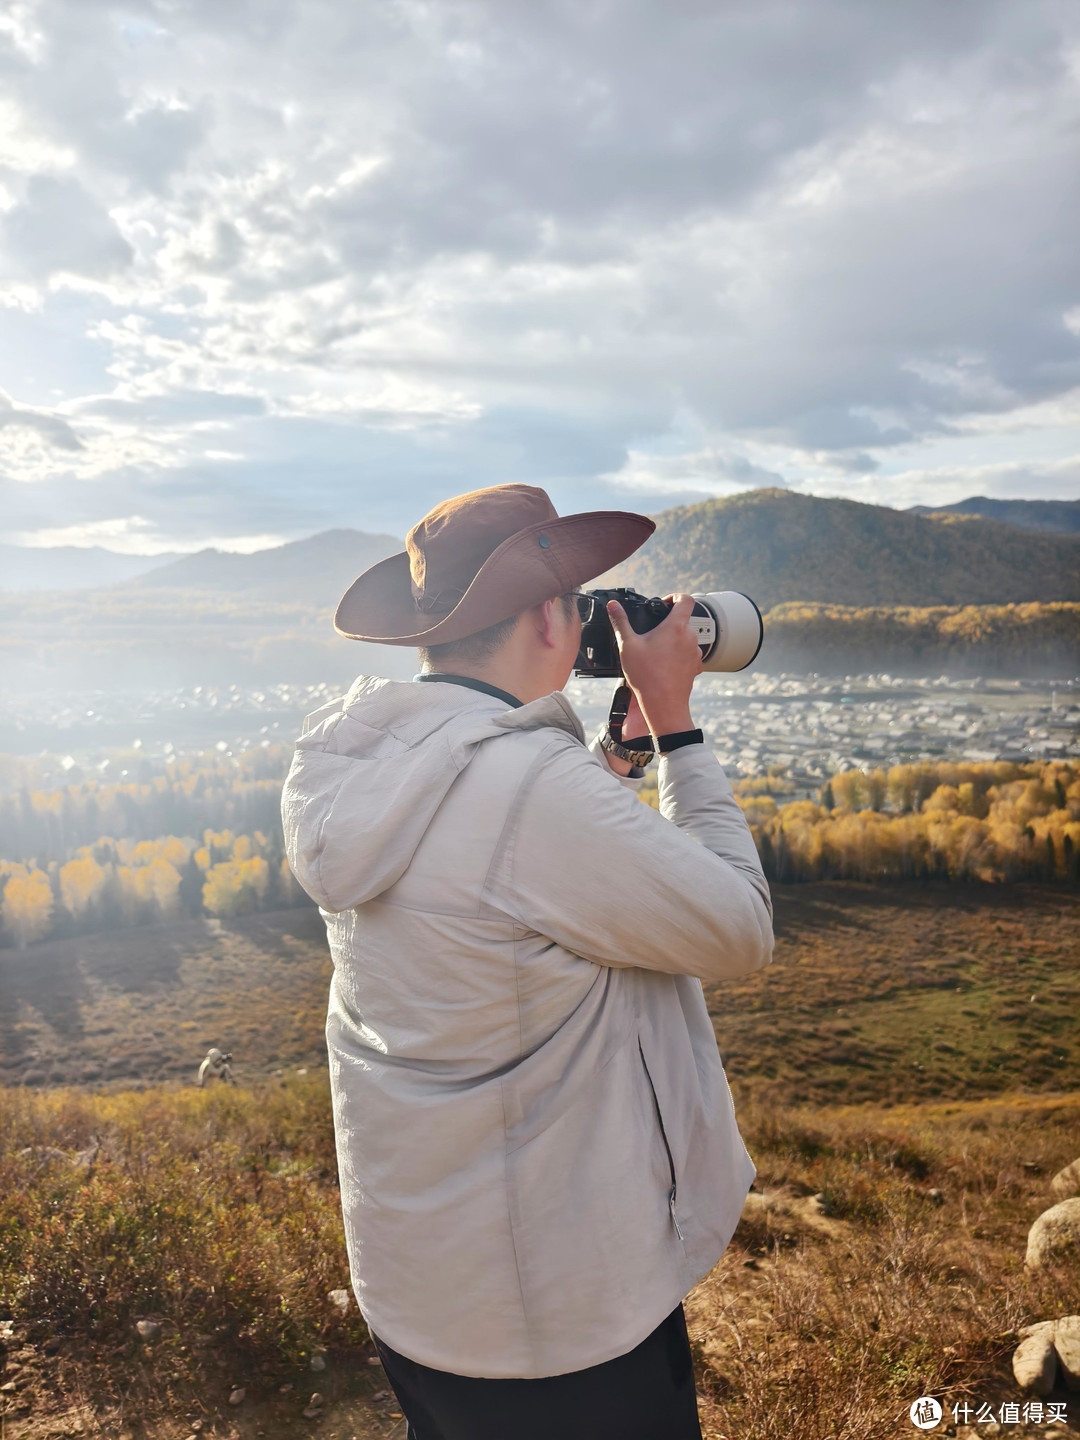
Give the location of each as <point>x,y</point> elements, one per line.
<point>620,708</point>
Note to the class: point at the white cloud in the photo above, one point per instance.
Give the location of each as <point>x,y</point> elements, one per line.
<point>135,535</point>
<point>944,485</point>
<point>23,149</point>
<point>708,472</point>
<point>59,227</point>
<point>18,25</point>
<point>458,244</point>
<point>25,422</point>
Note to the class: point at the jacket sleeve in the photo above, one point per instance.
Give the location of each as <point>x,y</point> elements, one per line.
<point>606,877</point>
<point>631,782</point>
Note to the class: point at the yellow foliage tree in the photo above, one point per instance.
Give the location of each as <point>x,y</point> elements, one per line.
<point>28,906</point>
<point>82,882</point>
<point>157,886</point>
<point>235,888</point>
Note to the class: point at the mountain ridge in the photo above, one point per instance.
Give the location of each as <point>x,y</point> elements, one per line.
<point>777,545</point>
<point>72,567</point>
<point>781,547</point>
<point>324,565</point>
<point>1058,516</point>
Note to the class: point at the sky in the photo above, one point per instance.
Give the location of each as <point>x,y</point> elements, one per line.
<point>271,267</point>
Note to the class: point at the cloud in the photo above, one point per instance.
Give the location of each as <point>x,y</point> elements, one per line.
<point>50,429</point>
<point>386,249</point>
<point>133,535</point>
<point>702,474</point>
<point>944,485</point>
<point>58,226</point>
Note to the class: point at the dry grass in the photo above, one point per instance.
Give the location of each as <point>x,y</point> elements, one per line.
<point>145,1004</point>
<point>887,993</point>
<point>827,1328</point>
<point>216,1209</point>
<point>914,992</point>
<point>218,1213</point>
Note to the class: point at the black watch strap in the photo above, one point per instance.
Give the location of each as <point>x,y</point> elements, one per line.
<point>666,743</point>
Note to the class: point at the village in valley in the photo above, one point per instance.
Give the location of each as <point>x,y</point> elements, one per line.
<point>804,727</point>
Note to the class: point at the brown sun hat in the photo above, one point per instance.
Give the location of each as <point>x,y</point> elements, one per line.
<point>480,558</point>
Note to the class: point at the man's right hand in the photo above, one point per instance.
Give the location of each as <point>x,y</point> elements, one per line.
<point>660,667</point>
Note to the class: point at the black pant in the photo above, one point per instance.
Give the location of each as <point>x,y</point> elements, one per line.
<point>647,1394</point>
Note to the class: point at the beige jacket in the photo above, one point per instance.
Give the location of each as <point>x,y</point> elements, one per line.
<point>536,1144</point>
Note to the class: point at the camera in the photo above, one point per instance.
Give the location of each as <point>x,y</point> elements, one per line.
<point>728,625</point>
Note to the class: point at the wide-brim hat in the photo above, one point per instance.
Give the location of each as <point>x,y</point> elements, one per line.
<point>480,558</point>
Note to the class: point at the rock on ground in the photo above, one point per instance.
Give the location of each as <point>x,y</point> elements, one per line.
<point>784,1210</point>
<point>1066,1183</point>
<point>1035,1364</point>
<point>1055,1236</point>
<point>1067,1345</point>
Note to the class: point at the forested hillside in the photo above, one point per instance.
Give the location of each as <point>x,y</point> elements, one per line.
<point>859,587</point>
<point>779,547</point>
<point>915,640</point>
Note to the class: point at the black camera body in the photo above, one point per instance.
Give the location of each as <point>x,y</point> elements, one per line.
<point>728,626</point>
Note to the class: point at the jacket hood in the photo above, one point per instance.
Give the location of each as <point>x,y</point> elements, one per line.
<point>371,769</point>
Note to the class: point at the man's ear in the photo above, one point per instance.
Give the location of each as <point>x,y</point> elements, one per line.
<point>542,618</point>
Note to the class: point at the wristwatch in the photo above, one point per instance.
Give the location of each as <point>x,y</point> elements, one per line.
<point>630,753</point>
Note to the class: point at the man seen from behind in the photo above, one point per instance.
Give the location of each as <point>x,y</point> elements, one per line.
<point>537,1149</point>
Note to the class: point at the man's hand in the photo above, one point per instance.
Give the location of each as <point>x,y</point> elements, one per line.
<point>660,668</point>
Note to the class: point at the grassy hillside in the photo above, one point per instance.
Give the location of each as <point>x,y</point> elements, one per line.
<point>780,547</point>
<point>879,1258</point>
<point>907,1076</point>
<point>935,982</point>
<point>912,994</point>
<point>1060,516</point>
<point>145,1005</point>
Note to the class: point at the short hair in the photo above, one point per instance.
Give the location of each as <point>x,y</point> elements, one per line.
<point>475,649</point>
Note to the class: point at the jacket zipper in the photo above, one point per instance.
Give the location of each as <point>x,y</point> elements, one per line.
<point>663,1135</point>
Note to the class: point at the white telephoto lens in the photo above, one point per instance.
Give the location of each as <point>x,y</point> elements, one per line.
<point>739,631</point>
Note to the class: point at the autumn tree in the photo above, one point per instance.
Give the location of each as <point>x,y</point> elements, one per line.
<point>27,906</point>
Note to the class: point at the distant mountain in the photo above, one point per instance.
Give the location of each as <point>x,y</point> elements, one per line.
<point>778,546</point>
<point>315,571</point>
<point>1060,516</point>
<point>70,567</point>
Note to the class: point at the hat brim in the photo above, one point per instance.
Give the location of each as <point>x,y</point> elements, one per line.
<point>379,606</point>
